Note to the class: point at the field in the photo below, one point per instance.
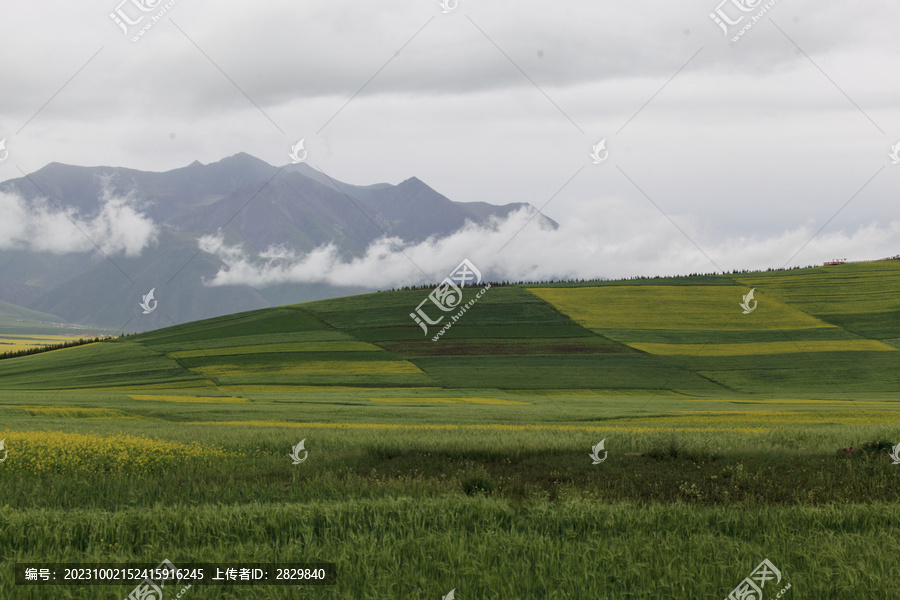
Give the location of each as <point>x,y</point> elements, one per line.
<point>464,463</point>
<point>16,342</point>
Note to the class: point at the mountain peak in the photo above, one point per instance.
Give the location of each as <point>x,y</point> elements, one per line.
<point>242,158</point>
<point>301,209</point>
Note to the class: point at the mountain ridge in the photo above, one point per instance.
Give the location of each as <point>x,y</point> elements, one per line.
<point>251,204</point>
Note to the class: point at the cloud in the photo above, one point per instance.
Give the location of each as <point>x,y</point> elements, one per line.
<point>610,239</point>
<point>118,227</point>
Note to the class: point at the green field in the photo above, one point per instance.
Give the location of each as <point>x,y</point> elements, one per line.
<point>464,463</point>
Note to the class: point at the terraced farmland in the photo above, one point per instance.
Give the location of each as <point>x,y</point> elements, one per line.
<point>731,438</point>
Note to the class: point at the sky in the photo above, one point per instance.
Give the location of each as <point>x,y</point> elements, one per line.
<point>720,151</point>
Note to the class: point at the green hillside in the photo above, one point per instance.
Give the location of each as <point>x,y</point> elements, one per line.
<point>638,439</point>
<point>828,330</point>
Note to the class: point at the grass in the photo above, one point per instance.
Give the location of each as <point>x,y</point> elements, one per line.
<point>749,348</point>
<point>587,548</point>
<point>670,307</point>
<point>463,463</point>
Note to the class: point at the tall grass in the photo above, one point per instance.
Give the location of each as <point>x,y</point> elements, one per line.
<point>484,548</point>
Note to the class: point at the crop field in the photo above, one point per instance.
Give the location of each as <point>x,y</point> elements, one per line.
<point>11,342</point>
<point>465,463</point>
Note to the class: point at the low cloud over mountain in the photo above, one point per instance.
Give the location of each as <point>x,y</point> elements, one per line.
<point>86,243</point>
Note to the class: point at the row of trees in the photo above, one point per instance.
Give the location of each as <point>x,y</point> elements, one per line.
<point>428,286</point>
<point>39,349</point>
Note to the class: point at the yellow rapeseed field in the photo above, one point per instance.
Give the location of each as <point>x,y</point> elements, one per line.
<point>804,402</point>
<point>10,342</point>
<point>782,417</point>
<point>749,348</point>
<point>57,451</point>
<point>315,388</point>
<point>78,412</point>
<point>574,392</point>
<point>673,307</point>
<point>497,401</point>
<point>486,427</point>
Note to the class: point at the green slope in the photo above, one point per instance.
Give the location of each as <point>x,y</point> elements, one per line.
<point>16,320</point>
<point>830,330</point>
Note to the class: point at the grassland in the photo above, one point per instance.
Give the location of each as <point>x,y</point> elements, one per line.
<point>463,463</point>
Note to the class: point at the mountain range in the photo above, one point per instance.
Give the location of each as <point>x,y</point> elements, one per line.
<point>247,202</point>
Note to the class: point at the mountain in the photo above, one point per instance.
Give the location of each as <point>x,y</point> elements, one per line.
<point>826,332</point>
<point>250,203</point>
<point>30,327</point>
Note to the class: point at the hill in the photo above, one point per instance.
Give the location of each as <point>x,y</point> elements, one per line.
<point>828,330</point>
<point>568,426</point>
<point>23,327</point>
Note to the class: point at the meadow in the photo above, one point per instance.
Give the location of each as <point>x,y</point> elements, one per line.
<point>464,463</point>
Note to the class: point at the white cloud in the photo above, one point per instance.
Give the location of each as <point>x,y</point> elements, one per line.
<point>118,228</point>
<point>611,239</point>
<point>754,139</point>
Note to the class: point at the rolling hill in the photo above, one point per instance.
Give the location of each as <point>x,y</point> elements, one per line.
<point>832,331</point>
<point>644,439</point>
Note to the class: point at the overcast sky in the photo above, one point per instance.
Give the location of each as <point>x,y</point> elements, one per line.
<point>721,154</point>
